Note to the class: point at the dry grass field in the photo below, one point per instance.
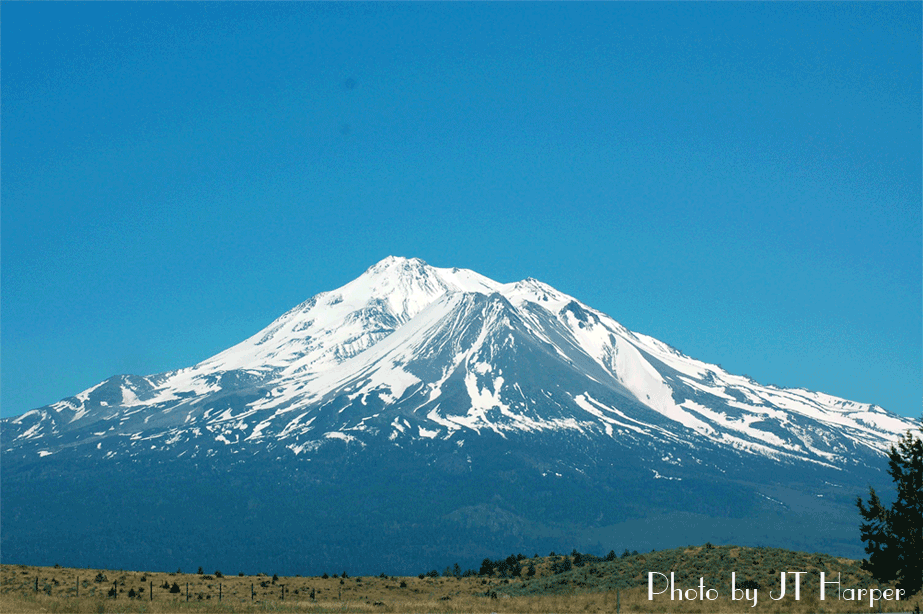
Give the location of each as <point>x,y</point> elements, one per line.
<point>599,586</point>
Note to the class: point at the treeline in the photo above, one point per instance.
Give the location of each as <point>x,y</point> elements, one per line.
<point>513,566</point>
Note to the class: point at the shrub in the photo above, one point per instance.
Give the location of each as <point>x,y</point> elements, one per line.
<point>175,588</point>
<point>200,572</point>
<point>403,584</point>
<point>218,574</point>
<point>325,576</point>
<point>562,566</point>
<point>275,578</point>
<point>422,575</point>
<point>240,573</point>
<point>611,556</point>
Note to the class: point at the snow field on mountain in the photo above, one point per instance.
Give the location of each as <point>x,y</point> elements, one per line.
<point>423,347</point>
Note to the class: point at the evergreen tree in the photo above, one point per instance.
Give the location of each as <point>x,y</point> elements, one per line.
<point>894,537</point>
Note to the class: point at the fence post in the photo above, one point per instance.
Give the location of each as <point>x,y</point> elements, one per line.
<point>78,586</point>
<point>219,591</point>
<point>152,590</point>
<point>618,601</point>
<point>187,591</point>
<point>36,584</point>
<point>283,592</point>
<point>251,591</point>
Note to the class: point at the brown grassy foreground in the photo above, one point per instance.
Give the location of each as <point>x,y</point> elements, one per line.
<point>600,586</point>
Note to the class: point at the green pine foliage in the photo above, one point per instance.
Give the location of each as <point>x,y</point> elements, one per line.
<point>504,568</point>
<point>894,537</point>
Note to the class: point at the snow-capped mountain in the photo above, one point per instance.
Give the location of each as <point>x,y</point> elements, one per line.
<point>411,363</point>
<point>408,350</point>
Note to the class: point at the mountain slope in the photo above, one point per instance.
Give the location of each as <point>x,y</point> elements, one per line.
<point>498,396</point>
<point>407,334</point>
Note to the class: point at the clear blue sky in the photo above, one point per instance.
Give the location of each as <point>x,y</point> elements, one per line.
<point>742,181</point>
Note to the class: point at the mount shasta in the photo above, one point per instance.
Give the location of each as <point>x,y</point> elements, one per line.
<point>419,416</point>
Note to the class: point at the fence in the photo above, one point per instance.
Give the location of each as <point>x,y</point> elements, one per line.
<point>113,592</point>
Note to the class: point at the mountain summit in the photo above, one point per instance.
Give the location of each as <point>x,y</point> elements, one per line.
<point>451,353</point>
<point>479,402</point>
